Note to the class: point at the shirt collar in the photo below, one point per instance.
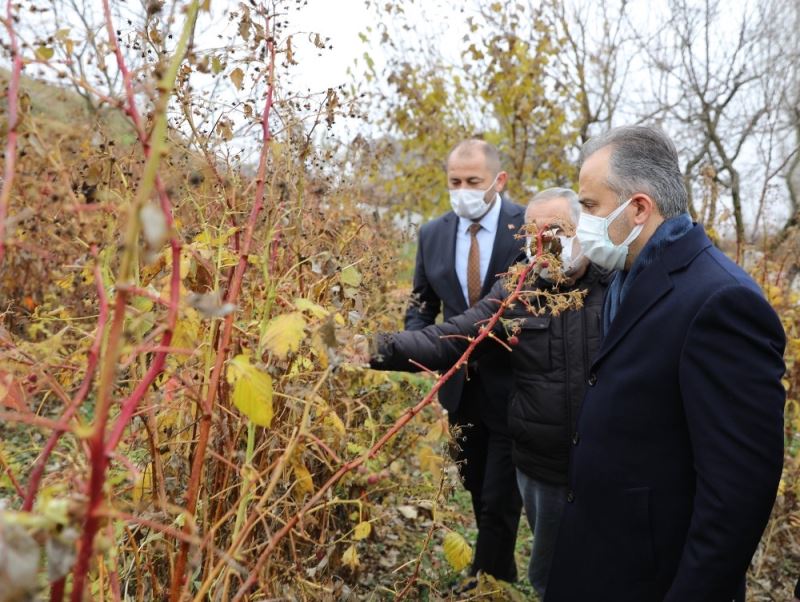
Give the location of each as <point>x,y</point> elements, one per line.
<point>488,222</point>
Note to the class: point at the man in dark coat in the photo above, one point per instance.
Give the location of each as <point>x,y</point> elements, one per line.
<point>679,445</point>
<point>458,258</point>
<point>550,363</point>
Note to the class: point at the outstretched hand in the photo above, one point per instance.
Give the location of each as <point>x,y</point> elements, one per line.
<point>357,351</point>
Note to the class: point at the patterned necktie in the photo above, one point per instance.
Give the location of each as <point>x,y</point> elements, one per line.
<point>474,266</point>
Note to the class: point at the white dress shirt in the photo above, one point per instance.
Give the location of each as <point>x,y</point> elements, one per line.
<point>485,238</point>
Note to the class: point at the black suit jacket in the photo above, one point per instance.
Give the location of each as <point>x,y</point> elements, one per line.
<point>679,444</point>
<point>436,288</point>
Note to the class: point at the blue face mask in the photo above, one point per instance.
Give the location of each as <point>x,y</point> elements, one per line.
<point>597,246</point>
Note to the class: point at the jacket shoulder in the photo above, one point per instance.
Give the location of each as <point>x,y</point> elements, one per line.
<point>514,210</point>
<point>437,224</point>
<point>717,270</point>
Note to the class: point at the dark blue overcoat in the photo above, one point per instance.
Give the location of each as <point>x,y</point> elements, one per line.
<point>679,445</point>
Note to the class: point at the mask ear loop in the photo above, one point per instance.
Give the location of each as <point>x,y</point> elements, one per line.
<point>635,231</point>
<point>485,192</point>
<point>616,213</point>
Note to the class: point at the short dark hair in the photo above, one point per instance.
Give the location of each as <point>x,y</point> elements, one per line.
<point>470,145</point>
<point>643,159</point>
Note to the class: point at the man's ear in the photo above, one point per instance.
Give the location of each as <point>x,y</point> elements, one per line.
<point>502,179</point>
<point>644,207</point>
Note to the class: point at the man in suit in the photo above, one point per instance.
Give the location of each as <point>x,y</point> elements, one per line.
<point>458,258</point>
<point>679,445</point>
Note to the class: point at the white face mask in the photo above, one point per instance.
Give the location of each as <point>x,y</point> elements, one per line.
<point>472,204</point>
<point>569,261</point>
<point>597,246</point>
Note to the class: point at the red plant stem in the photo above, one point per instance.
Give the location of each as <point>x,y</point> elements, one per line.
<point>151,524</point>
<point>91,365</point>
<point>14,481</point>
<point>97,455</point>
<point>57,590</point>
<point>113,576</point>
<point>127,80</point>
<point>395,428</point>
<point>13,124</point>
<point>132,402</point>
<point>97,441</point>
<point>30,419</point>
<point>143,292</point>
<point>207,407</point>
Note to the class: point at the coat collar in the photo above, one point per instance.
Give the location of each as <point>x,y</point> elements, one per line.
<point>506,246</point>
<point>652,285</point>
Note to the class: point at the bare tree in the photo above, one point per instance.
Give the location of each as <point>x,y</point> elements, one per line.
<point>593,63</point>
<point>722,92</point>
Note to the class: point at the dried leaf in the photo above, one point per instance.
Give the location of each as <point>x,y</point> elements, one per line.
<point>210,304</point>
<point>289,53</point>
<point>318,41</point>
<point>154,226</point>
<point>11,393</point>
<point>19,562</point>
<point>362,530</point>
<point>457,551</point>
<point>252,390</point>
<point>237,77</point>
<point>244,28</point>
<point>60,552</point>
<point>284,333</point>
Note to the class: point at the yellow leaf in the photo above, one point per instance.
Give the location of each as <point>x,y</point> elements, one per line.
<point>350,558</point>
<point>237,77</point>
<point>305,484</point>
<point>284,333</point>
<point>436,432</point>
<point>187,333</point>
<point>315,310</point>
<point>252,390</point>
<point>300,366</point>
<point>143,484</point>
<point>432,462</point>
<point>457,551</point>
<point>43,53</point>
<point>216,65</point>
<point>320,350</point>
<point>362,531</point>
<point>335,423</point>
<point>350,276</point>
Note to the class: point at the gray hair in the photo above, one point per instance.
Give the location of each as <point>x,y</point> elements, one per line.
<point>559,193</point>
<point>643,159</point>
